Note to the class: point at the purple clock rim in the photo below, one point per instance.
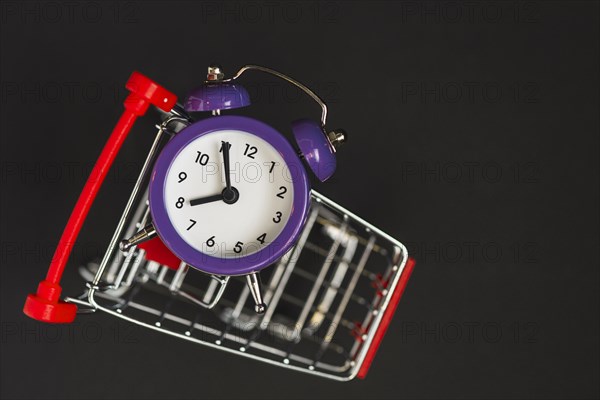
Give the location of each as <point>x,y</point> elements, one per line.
<point>239,265</point>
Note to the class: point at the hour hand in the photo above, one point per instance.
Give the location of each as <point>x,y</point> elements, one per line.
<point>207,199</point>
<point>228,196</point>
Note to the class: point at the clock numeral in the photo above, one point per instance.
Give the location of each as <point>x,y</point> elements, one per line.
<point>182,177</point>
<point>261,238</point>
<point>250,151</point>
<point>192,225</point>
<point>221,149</point>
<point>180,202</point>
<point>272,166</point>
<point>277,218</point>
<point>211,241</point>
<point>202,158</point>
<point>238,247</point>
<point>282,192</point>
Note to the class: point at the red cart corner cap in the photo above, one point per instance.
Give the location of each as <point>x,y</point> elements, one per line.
<point>151,92</point>
<point>46,306</point>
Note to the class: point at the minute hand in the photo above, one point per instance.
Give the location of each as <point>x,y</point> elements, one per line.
<point>225,146</point>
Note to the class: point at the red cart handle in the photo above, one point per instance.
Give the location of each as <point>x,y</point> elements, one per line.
<point>46,305</point>
<point>386,319</point>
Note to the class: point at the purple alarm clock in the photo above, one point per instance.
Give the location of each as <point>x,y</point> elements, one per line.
<point>229,195</point>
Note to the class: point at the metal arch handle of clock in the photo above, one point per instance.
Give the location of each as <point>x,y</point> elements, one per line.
<point>229,196</point>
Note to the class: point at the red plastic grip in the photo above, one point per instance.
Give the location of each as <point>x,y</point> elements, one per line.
<point>46,305</point>
<point>386,319</point>
<point>145,92</point>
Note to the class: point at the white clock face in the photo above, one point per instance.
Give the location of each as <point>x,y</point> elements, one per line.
<point>195,185</point>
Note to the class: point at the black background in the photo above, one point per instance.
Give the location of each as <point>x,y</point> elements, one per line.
<point>474,140</point>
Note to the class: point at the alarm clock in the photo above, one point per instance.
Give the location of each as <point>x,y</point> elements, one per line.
<point>229,195</point>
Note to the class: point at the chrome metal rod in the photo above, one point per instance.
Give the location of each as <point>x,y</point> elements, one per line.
<point>288,79</point>
<point>345,299</point>
<point>334,286</point>
<point>290,267</point>
<point>146,233</point>
<point>318,282</point>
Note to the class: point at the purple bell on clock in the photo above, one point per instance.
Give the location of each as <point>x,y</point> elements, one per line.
<point>317,147</point>
<point>216,95</point>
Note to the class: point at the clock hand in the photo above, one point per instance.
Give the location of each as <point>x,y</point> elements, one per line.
<point>230,194</point>
<point>207,199</point>
<point>226,147</point>
<point>228,197</point>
